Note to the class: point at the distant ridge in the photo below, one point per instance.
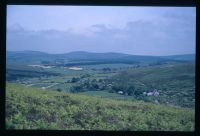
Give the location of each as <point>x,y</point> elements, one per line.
<point>86,52</point>
<point>35,57</point>
<point>181,57</point>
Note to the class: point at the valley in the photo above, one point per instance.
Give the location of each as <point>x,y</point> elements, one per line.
<point>167,81</point>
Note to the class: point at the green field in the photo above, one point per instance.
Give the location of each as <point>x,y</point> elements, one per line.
<point>175,82</point>
<point>107,92</point>
<point>33,108</point>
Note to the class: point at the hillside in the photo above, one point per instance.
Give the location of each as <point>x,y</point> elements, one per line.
<point>176,83</point>
<point>186,57</point>
<point>35,57</point>
<point>32,108</point>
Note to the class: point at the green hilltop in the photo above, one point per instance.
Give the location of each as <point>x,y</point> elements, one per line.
<point>32,108</point>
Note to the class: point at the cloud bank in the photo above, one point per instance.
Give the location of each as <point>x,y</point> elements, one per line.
<point>169,33</point>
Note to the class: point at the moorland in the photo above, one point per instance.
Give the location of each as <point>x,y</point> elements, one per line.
<point>99,91</point>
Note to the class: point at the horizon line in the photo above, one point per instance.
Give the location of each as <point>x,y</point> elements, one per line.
<point>99,53</point>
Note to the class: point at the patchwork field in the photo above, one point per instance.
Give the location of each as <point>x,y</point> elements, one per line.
<point>131,93</point>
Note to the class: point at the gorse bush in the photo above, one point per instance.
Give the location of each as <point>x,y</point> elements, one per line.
<point>32,108</point>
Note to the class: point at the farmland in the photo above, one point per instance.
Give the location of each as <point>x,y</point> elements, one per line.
<point>165,84</point>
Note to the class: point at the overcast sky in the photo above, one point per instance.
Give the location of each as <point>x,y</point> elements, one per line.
<point>133,30</point>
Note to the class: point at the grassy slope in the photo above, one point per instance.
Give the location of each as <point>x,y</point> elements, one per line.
<point>31,108</point>
<point>175,82</point>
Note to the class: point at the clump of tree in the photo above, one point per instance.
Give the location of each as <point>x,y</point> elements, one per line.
<point>126,89</point>
<point>94,84</point>
<point>75,79</point>
<point>45,62</point>
<point>59,90</point>
<point>107,69</point>
<point>85,76</point>
<point>77,88</point>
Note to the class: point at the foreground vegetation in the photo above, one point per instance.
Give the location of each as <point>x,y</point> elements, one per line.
<point>32,108</point>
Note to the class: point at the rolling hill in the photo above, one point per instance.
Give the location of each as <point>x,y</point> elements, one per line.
<point>35,57</point>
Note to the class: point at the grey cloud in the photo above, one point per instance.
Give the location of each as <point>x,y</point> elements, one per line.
<point>101,26</point>
<point>137,37</point>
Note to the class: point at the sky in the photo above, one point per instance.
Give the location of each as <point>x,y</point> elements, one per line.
<point>156,31</point>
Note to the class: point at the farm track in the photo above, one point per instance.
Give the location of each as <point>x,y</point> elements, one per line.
<point>50,86</point>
